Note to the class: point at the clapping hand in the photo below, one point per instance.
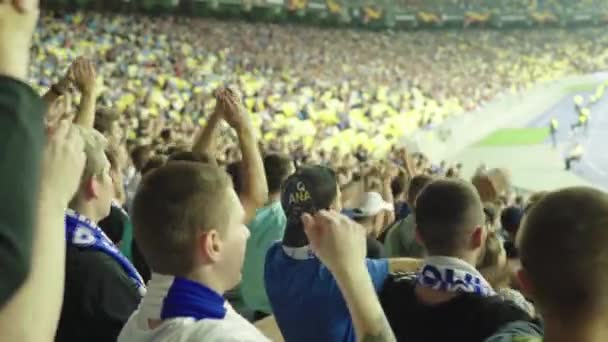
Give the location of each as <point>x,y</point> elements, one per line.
<point>83,74</point>
<point>232,108</point>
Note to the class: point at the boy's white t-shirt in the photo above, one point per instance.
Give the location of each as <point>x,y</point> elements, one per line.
<point>232,328</point>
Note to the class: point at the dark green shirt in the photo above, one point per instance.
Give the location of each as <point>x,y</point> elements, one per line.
<point>22,138</point>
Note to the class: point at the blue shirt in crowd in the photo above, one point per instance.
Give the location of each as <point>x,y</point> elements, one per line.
<point>305,297</point>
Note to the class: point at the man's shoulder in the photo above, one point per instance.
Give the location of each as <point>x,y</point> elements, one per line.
<point>90,260</point>
<point>520,331</point>
<point>398,286</point>
<point>97,269</point>
<point>274,249</point>
<point>271,216</point>
<point>503,310</point>
<point>232,328</point>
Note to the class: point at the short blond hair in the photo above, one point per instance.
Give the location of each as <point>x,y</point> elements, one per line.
<point>94,147</point>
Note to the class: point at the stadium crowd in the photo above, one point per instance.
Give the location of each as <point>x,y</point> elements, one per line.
<point>339,88</point>
<point>122,220</point>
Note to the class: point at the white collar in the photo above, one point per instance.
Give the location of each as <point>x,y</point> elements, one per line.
<point>299,253</point>
<point>152,303</point>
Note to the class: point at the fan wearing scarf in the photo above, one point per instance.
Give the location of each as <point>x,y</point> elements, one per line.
<point>189,224</point>
<point>102,288</point>
<point>448,299</point>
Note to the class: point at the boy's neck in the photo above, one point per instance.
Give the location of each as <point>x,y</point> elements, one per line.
<point>294,237</point>
<point>86,210</point>
<point>589,329</point>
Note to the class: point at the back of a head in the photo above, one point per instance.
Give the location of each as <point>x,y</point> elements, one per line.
<point>308,190</point>
<point>510,219</point>
<point>104,119</point>
<point>181,155</point>
<point>447,212</point>
<point>399,184</point>
<point>563,249</point>
<point>172,205</point>
<point>95,150</point>
<point>140,155</point>
<point>153,163</point>
<point>278,167</point>
<point>234,171</point>
<point>416,186</point>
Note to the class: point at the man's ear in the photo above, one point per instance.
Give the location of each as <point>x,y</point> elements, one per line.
<point>478,237</point>
<point>210,246</point>
<point>526,287</point>
<point>90,187</point>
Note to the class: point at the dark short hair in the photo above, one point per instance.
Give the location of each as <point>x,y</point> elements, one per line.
<point>172,206</point>
<point>139,156</point>
<point>417,183</point>
<point>510,219</point>
<point>165,134</point>
<point>153,163</point>
<point>446,212</point>
<point>234,170</point>
<point>277,167</point>
<point>563,248</point>
<point>181,155</point>
<point>399,183</point>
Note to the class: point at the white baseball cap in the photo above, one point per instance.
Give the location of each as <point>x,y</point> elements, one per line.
<point>371,204</point>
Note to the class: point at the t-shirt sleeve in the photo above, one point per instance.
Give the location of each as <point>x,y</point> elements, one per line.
<point>115,298</point>
<point>517,332</point>
<point>21,143</point>
<point>378,270</point>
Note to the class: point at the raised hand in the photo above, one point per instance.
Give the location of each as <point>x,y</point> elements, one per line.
<point>336,240</point>
<point>63,163</point>
<point>83,74</point>
<point>233,111</point>
<point>17,23</point>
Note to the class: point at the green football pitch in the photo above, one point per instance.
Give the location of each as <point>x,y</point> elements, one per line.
<point>515,136</point>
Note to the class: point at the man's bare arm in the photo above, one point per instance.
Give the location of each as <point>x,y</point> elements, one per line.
<point>368,317</point>
<point>340,244</point>
<point>206,141</point>
<point>255,187</point>
<point>38,302</point>
<point>85,79</point>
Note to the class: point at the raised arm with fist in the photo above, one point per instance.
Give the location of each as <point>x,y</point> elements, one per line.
<point>340,244</point>
<point>17,23</point>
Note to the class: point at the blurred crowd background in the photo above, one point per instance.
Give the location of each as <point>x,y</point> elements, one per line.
<point>313,89</point>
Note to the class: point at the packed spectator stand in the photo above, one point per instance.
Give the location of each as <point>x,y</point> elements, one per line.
<point>180,179</point>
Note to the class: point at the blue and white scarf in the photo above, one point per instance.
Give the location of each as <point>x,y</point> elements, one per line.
<point>84,233</point>
<point>187,298</point>
<point>452,275</point>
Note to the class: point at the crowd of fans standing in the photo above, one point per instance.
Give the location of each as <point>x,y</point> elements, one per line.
<point>123,220</point>
<point>326,88</point>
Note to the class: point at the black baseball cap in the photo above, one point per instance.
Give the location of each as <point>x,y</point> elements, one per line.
<point>308,190</point>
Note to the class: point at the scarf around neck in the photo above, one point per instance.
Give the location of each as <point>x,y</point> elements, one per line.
<point>187,298</point>
<point>83,233</point>
<point>453,275</point>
